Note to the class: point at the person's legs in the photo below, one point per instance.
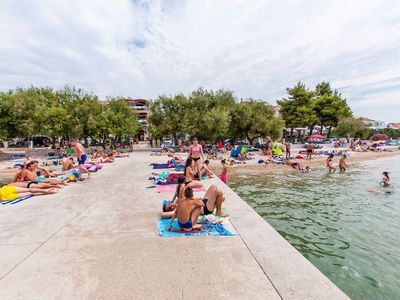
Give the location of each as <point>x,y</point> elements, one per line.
<point>218,204</point>
<point>195,214</point>
<point>195,184</point>
<point>211,196</point>
<point>198,166</point>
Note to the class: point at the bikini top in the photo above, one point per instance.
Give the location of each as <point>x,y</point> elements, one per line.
<point>195,150</point>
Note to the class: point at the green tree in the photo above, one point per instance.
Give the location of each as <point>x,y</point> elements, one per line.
<point>329,106</point>
<point>297,110</point>
<point>252,119</point>
<point>350,127</point>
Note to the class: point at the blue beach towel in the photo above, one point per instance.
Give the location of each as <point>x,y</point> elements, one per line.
<point>16,200</point>
<point>208,229</point>
<point>163,166</point>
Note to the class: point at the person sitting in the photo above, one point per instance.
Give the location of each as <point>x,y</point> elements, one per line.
<point>189,175</point>
<point>169,206</point>
<point>205,171</point>
<point>187,211</point>
<point>212,200</point>
<point>10,192</point>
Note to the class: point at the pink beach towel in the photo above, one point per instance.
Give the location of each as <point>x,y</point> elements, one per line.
<point>171,188</point>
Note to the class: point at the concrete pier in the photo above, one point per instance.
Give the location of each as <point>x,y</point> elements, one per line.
<point>98,240</point>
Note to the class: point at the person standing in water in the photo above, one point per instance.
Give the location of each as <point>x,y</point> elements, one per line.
<point>343,164</point>
<point>329,163</point>
<point>224,173</point>
<point>385,182</point>
<point>287,146</point>
<point>310,150</point>
<point>196,153</point>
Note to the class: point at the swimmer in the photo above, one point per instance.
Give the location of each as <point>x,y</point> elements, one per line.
<point>379,192</point>
<point>342,164</point>
<point>385,180</point>
<point>306,170</point>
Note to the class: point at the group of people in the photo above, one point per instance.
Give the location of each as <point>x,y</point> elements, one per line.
<point>33,180</point>
<point>184,205</point>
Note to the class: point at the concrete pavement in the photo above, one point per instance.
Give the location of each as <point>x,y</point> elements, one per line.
<point>98,240</point>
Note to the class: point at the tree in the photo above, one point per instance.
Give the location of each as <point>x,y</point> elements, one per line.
<point>297,110</point>
<point>350,127</point>
<point>329,106</point>
<point>166,115</point>
<point>253,120</point>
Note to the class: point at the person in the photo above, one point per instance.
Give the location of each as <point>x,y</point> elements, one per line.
<point>329,163</point>
<point>80,154</point>
<point>189,175</point>
<point>196,154</point>
<point>30,175</point>
<point>95,154</point>
<point>294,164</point>
<point>10,192</point>
<point>306,170</point>
<point>212,200</point>
<point>67,163</point>
<point>379,192</point>
<point>224,174</point>
<point>205,170</point>
<point>310,147</point>
<point>287,146</point>
<point>385,180</point>
<point>168,207</point>
<point>342,163</point>
<point>187,211</point>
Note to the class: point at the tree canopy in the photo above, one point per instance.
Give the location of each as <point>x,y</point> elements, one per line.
<point>212,116</point>
<point>67,113</point>
<point>322,106</point>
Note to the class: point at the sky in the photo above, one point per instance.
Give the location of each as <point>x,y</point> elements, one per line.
<point>256,48</point>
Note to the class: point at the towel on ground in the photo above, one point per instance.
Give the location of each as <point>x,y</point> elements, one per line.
<point>207,229</point>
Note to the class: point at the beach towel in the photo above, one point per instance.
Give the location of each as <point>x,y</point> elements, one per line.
<point>208,229</point>
<point>170,188</point>
<point>163,166</point>
<point>15,201</point>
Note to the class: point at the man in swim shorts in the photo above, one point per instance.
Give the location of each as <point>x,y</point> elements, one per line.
<point>9,192</point>
<point>80,154</point>
<point>187,212</point>
<point>310,150</point>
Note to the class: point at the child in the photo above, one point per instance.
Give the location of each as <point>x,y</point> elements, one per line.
<point>224,173</point>
<point>206,171</point>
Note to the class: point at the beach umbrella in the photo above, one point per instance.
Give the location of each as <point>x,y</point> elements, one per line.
<point>316,136</point>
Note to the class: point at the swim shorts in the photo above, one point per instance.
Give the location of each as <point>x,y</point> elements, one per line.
<point>82,160</point>
<point>8,193</point>
<point>185,225</point>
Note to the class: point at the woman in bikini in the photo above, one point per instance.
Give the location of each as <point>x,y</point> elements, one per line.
<point>189,175</point>
<point>196,153</point>
<point>329,163</point>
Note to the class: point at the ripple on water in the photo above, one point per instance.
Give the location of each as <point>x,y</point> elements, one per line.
<point>351,235</point>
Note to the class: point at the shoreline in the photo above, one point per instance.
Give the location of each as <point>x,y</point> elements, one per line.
<point>316,163</point>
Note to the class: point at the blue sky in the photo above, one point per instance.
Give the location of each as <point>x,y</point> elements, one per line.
<point>254,48</point>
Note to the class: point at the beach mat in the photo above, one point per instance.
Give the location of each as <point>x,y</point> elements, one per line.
<point>208,229</point>
<point>170,188</point>
<point>16,200</point>
<point>163,166</point>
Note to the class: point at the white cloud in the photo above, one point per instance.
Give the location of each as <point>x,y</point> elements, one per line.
<point>255,48</point>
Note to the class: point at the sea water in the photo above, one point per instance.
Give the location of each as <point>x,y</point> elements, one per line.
<point>350,234</point>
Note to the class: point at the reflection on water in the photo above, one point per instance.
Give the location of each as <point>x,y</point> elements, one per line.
<point>350,234</point>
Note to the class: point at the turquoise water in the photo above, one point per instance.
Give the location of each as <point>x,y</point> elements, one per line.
<point>351,235</point>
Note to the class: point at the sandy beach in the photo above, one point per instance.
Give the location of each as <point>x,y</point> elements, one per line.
<point>318,162</point>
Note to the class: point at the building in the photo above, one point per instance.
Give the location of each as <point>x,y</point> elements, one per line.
<point>141,107</point>
<point>394,126</point>
<point>373,124</point>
